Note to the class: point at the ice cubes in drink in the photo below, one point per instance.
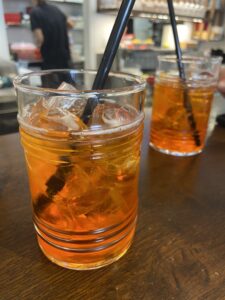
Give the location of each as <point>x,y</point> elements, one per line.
<point>66,103</point>
<point>62,120</point>
<point>57,113</point>
<point>175,118</point>
<point>110,115</point>
<point>76,201</point>
<point>114,116</point>
<point>62,113</point>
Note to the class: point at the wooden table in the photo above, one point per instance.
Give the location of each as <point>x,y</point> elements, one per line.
<point>178,251</point>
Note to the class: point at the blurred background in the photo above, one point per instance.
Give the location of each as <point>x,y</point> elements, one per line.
<point>148,34</point>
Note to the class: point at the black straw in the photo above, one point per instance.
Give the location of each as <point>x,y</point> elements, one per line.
<point>187,103</point>
<point>57,181</point>
<point>109,55</point>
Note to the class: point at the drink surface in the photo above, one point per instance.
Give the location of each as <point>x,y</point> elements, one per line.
<point>83,181</point>
<point>170,128</point>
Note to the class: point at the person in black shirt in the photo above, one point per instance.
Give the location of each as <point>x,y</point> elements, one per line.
<point>49,26</point>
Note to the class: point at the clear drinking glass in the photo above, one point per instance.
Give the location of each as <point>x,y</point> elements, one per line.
<point>83,177</point>
<point>181,109</point>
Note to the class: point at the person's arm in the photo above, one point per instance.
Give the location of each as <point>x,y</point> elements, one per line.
<point>70,23</point>
<point>36,29</point>
<point>38,37</point>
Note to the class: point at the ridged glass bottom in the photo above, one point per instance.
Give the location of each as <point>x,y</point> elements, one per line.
<point>90,266</point>
<point>174,153</point>
<point>89,250</point>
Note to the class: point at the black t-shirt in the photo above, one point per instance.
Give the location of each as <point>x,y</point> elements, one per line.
<point>55,49</point>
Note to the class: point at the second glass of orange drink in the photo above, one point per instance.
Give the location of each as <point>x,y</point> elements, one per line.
<point>181,109</point>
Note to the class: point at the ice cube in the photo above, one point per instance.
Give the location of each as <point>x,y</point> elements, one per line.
<point>77,184</point>
<point>124,168</point>
<point>72,104</point>
<point>61,112</point>
<point>32,113</point>
<point>63,120</point>
<point>71,121</point>
<point>64,86</point>
<point>110,115</point>
<point>77,194</point>
<point>176,118</point>
<point>116,116</point>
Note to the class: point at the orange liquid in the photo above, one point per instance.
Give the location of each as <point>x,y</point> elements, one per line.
<point>89,219</point>
<point>170,128</point>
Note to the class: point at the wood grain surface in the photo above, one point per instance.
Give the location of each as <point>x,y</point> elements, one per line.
<point>179,247</point>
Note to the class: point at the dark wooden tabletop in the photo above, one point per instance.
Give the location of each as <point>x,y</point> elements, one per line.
<point>179,247</point>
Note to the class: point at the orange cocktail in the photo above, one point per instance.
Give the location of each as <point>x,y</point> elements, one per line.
<point>172,130</point>
<point>84,177</point>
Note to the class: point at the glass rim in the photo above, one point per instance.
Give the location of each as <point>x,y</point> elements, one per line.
<point>190,59</point>
<point>139,84</point>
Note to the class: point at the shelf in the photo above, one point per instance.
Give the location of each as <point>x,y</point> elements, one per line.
<point>18,26</point>
<point>156,12</point>
<point>77,29</point>
<point>149,49</point>
<point>153,15</point>
<point>27,26</point>
<point>68,1</point>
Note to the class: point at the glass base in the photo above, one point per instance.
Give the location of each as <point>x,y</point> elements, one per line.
<point>174,153</point>
<point>83,267</point>
<point>86,250</point>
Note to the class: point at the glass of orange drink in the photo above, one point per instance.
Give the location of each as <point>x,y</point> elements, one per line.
<point>181,108</point>
<point>83,175</point>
